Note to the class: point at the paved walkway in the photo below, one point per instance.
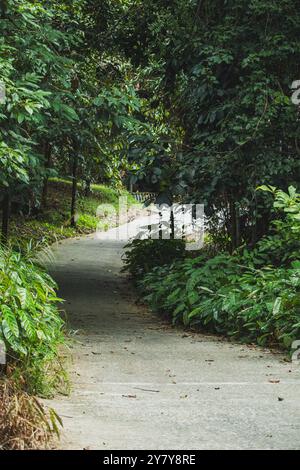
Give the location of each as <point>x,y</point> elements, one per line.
<point>140,384</point>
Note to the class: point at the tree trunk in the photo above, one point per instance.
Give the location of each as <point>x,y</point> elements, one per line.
<point>87,188</point>
<point>233,228</point>
<point>3,9</point>
<point>5,216</point>
<point>172,225</point>
<point>74,189</point>
<point>237,227</point>
<point>254,224</point>
<point>160,232</point>
<point>47,153</point>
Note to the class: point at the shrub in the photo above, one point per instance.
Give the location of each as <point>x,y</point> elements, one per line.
<point>253,295</point>
<point>87,223</point>
<point>141,256</point>
<point>222,296</point>
<point>30,323</point>
<point>24,422</point>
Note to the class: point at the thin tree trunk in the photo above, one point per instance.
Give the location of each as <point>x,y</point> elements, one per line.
<point>172,225</point>
<point>233,225</point>
<point>254,225</point>
<point>160,232</point>
<point>199,6</point>
<point>3,9</point>
<point>47,153</point>
<point>87,188</point>
<point>237,227</point>
<point>5,216</point>
<point>74,189</point>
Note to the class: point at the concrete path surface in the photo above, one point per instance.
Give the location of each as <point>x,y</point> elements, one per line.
<point>140,384</point>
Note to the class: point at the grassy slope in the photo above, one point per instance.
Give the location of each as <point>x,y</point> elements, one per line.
<point>53,223</point>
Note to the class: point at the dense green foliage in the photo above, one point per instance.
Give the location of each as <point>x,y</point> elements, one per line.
<point>60,115</point>
<point>190,99</point>
<point>219,74</point>
<point>53,222</point>
<point>253,295</point>
<point>30,324</point>
<point>142,256</point>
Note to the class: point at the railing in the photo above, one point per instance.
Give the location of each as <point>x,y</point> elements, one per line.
<point>144,196</point>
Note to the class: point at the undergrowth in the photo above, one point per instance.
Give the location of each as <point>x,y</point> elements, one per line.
<point>32,333</point>
<point>24,422</point>
<point>31,326</point>
<point>52,223</point>
<point>252,295</point>
<point>141,256</point>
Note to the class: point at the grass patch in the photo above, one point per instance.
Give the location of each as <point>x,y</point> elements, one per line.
<point>24,422</point>
<point>53,222</point>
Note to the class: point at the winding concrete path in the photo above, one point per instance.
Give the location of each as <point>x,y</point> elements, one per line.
<point>140,384</point>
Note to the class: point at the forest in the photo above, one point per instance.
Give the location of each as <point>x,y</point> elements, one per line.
<point>195,101</point>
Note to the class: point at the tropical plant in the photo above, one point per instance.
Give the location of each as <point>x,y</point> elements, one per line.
<point>141,256</point>
<point>30,324</point>
<point>253,295</point>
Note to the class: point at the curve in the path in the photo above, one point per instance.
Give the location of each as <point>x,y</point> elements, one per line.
<point>140,384</point>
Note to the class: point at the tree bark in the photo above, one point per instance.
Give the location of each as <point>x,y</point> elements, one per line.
<point>47,153</point>
<point>172,223</point>
<point>237,227</point>
<point>5,216</point>
<point>254,224</point>
<point>87,188</point>
<point>3,9</point>
<point>233,228</point>
<point>198,11</point>
<point>74,189</point>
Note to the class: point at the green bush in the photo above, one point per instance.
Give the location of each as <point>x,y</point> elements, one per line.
<point>30,323</point>
<point>222,296</point>
<point>253,295</point>
<point>141,256</point>
<point>87,222</point>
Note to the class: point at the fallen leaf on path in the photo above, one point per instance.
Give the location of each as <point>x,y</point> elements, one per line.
<point>147,390</point>
<point>274,381</point>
